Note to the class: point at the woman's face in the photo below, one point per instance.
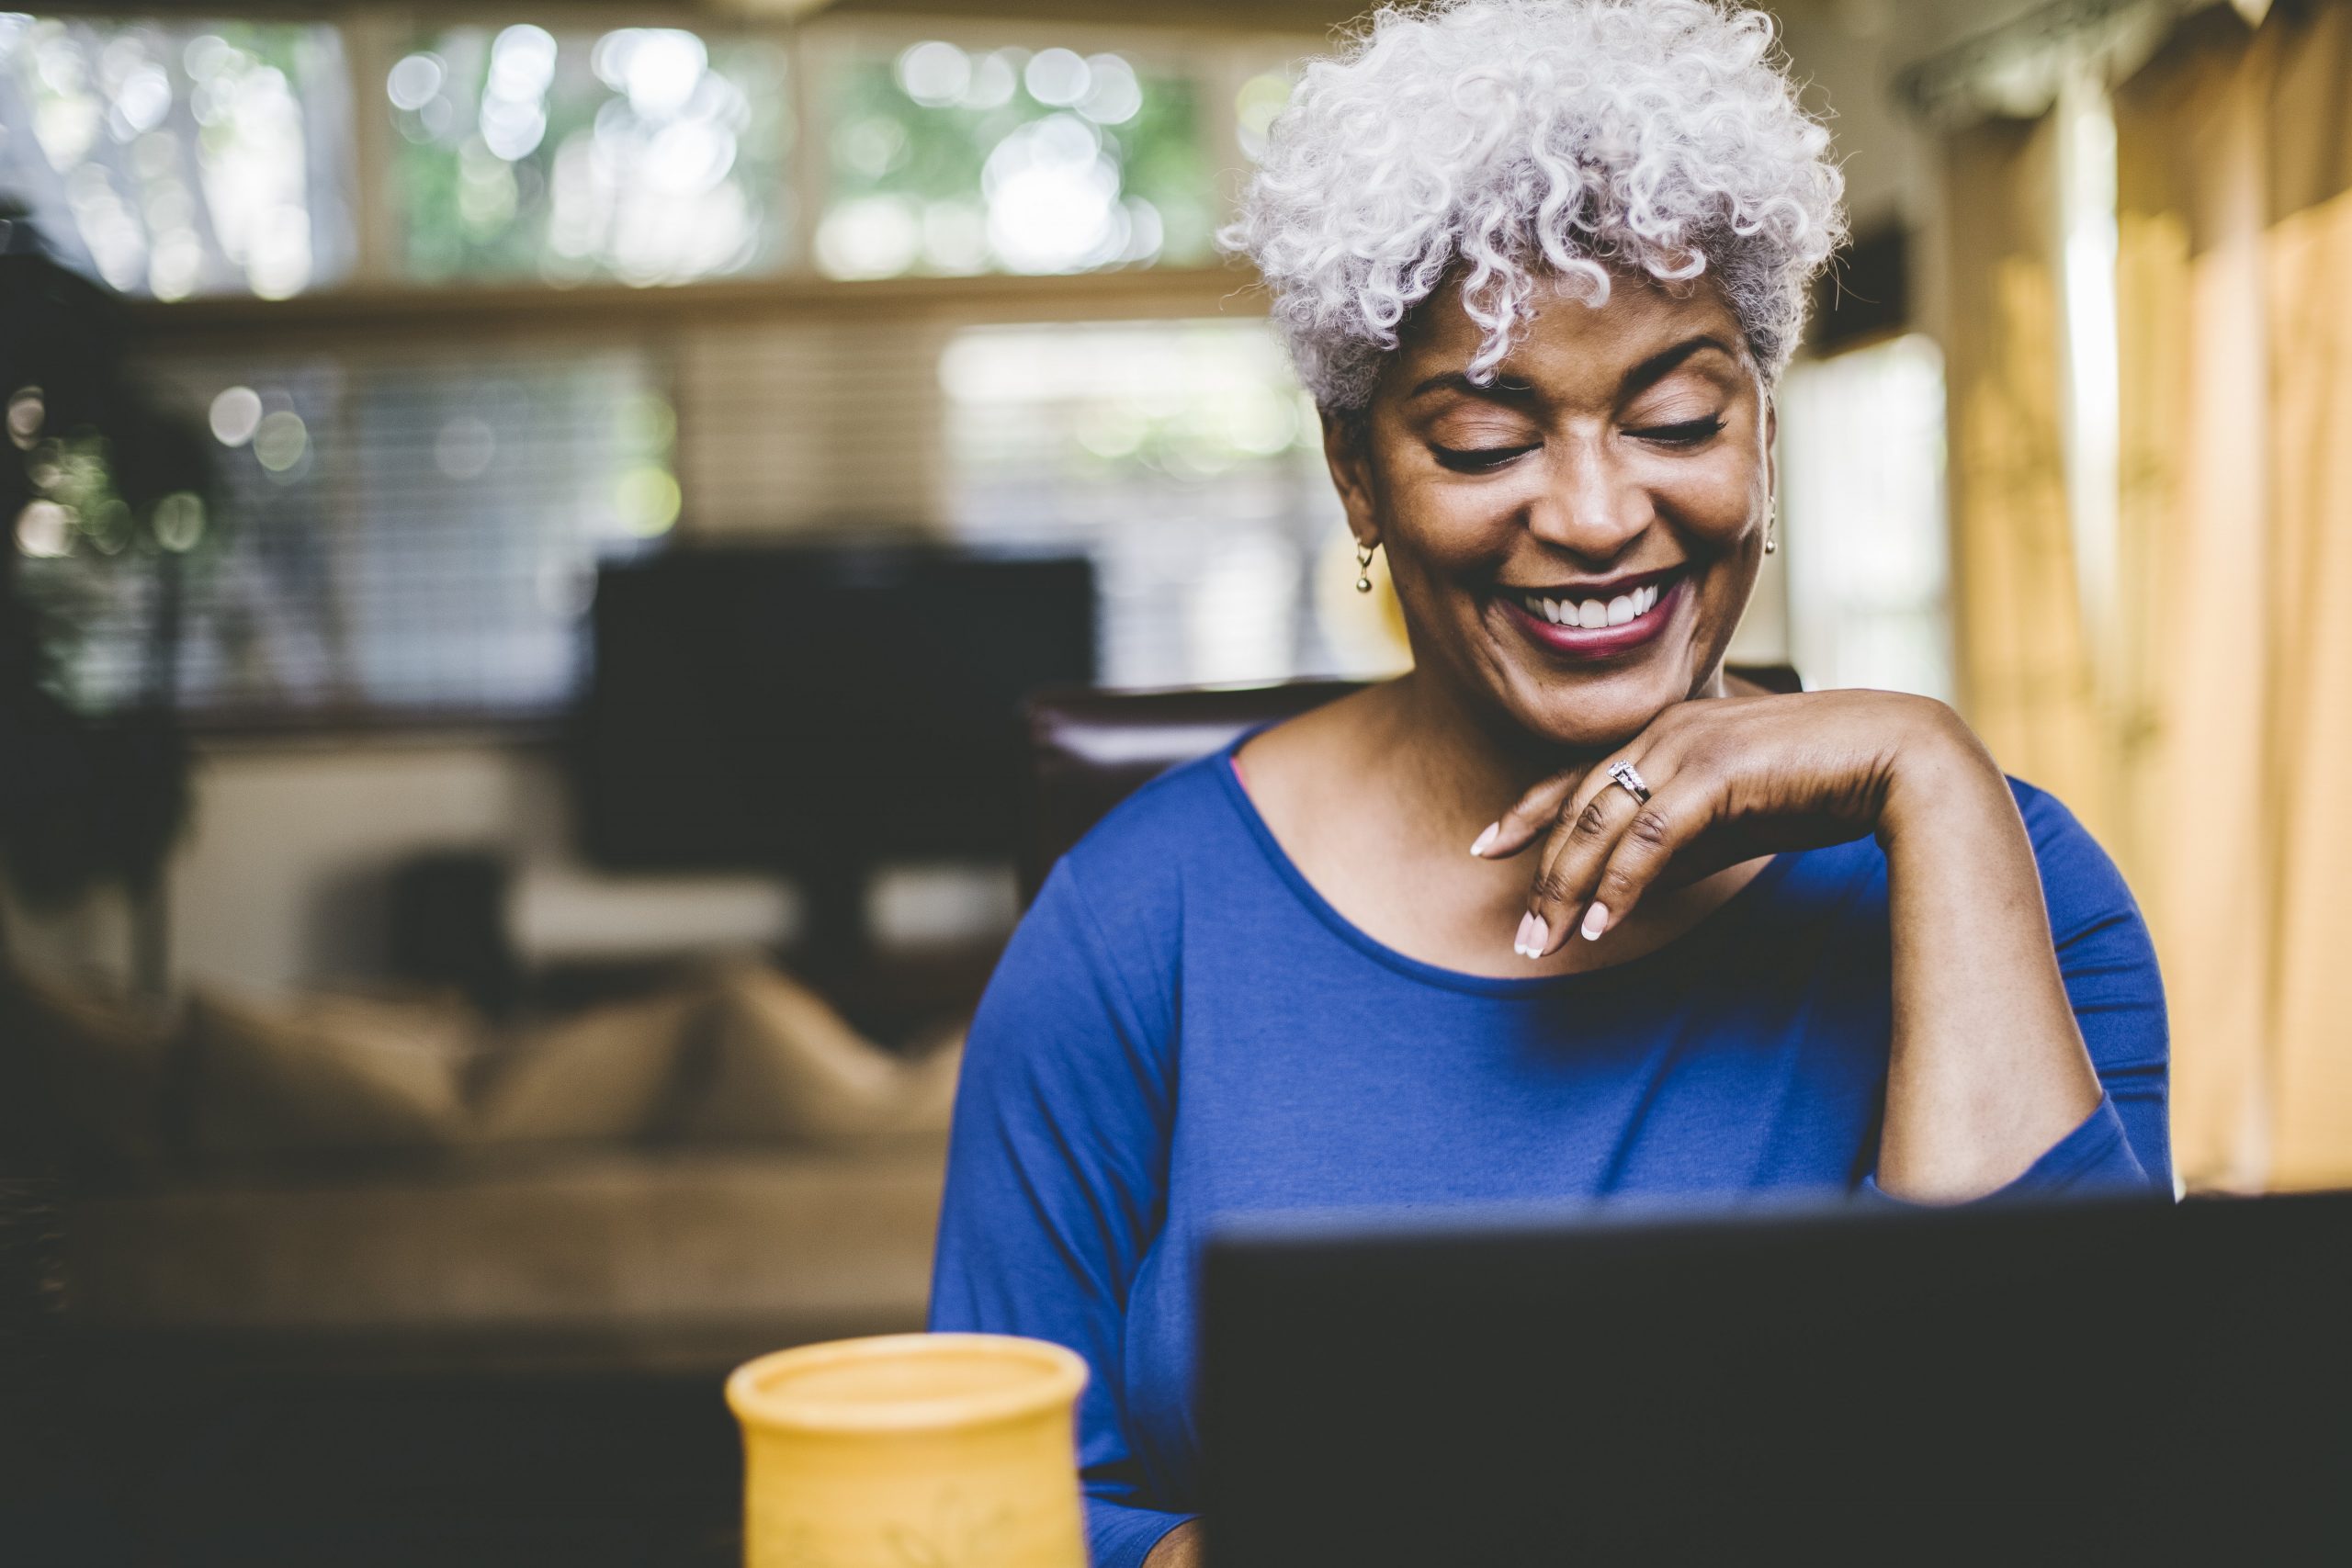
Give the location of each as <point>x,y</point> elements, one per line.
<point>1573,542</point>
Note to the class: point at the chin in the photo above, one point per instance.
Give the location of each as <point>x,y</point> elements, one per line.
<point>1595,720</point>
<point>1593,689</point>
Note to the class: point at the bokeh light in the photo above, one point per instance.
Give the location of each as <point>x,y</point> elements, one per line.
<point>934,74</point>
<point>1057,76</point>
<point>649,154</point>
<point>234,415</point>
<point>178,522</point>
<point>280,440</point>
<point>178,158</point>
<point>465,447</point>
<point>44,530</point>
<point>647,501</point>
<point>1255,107</point>
<point>28,410</point>
<point>412,84</point>
<point>950,161</point>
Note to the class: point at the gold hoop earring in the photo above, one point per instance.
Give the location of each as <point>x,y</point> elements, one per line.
<point>1363,568</point>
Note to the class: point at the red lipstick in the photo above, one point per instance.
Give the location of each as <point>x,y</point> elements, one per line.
<point>1596,642</point>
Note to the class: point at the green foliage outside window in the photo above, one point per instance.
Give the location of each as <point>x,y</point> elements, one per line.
<point>651,155</point>
<point>947,162</point>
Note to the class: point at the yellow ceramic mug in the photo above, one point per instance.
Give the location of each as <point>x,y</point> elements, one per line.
<point>912,1451</point>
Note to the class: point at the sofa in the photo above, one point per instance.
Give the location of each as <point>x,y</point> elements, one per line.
<point>670,1183</point>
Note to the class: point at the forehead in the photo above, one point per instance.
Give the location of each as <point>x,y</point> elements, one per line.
<point>1572,346</point>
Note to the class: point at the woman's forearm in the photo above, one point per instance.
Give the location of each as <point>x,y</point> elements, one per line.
<point>1988,1069</point>
<point>1180,1548</point>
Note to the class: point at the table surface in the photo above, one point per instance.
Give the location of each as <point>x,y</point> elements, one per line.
<point>119,1460</point>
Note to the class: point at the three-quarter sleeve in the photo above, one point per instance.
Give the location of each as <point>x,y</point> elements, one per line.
<point>1056,1177</point>
<point>2109,966</point>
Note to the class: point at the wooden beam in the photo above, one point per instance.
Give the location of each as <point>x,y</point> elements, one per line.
<point>536,311</point>
<point>1232,16</point>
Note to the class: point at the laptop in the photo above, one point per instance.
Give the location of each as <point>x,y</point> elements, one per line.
<point>2118,1381</point>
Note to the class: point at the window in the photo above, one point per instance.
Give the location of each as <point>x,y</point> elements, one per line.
<point>1863,460</point>
<point>177,158</point>
<point>1184,457</point>
<point>648,154</point>
<point>946,161</point>
<point>413,529</point>
<point>412,534</point>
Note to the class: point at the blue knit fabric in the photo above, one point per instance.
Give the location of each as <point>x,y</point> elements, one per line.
<point>1182,1030</point>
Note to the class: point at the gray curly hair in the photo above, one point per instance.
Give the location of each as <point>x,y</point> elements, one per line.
<point>1504,137</point>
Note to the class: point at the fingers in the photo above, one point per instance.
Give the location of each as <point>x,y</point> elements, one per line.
<point>1587,831</point>
<point>1610,856</point>
<point>1530,817</point>
<point>1656,832</point>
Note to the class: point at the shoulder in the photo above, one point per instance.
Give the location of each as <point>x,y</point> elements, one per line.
<point>2079,881</point>
<point>1131,868</point>
<point>1107,925</point>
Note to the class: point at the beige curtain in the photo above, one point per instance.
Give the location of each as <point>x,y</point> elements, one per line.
<point>2214,758</point>
<point>2199,831</point>
<point>2025,674</point>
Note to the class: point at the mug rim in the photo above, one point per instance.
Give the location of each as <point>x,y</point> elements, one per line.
<point>1064,1375</point>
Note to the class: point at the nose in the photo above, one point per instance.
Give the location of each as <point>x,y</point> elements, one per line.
<point>1589,506</point>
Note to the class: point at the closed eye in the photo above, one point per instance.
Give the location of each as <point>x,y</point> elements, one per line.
<point>1690,432</point>
<point>1478,459</point>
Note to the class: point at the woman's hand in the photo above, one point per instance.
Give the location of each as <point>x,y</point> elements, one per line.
<point>1730,779</point>
<point>1985,1068</point>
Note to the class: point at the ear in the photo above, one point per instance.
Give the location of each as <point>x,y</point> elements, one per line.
<point>1346,452</point>
<point>1771,447</point>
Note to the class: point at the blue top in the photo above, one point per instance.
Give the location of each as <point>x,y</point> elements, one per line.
<point>1182,1029</point>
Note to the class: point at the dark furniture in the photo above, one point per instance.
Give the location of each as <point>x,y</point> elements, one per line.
<point>2121,1380</point>
<point>1090,748</point>
<point>815,710</point>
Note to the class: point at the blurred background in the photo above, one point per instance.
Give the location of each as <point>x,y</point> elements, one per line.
<point>466,929</point>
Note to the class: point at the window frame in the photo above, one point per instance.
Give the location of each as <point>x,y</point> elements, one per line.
<point>375,305</point>
<point>1220,58</point>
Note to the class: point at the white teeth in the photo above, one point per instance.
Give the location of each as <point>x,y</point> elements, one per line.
<point>1594,614</point>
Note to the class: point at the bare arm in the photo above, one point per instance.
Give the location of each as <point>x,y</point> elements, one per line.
<point>1180,1548</point>
<point>1986,1069</point>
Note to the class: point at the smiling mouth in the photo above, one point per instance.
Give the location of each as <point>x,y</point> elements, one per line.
<point>1595,613</point>
<point>1603,620</point>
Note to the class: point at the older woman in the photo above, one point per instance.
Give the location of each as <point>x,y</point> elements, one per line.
<point>1540,263</point>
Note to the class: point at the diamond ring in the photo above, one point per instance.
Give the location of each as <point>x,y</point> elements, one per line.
<point>1631,777</point>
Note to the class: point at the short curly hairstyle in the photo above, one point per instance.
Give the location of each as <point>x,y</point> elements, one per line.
<point>1500,139</point>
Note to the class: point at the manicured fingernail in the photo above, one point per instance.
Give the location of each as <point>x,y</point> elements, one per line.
<point>1533,936</point>
<point>1493,829</point>
<point>1519,938</point>
<point>1596,921</point>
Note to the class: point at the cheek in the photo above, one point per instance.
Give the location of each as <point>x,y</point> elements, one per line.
<point>1445,528</point>
<point>1716,502</point>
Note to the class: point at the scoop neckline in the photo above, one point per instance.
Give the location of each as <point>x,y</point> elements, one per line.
<point>1710,932</point>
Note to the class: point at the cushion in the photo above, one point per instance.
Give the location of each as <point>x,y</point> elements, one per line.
<point>785,1067</point>
<point>608,1075</point>
<point>326,1075</point>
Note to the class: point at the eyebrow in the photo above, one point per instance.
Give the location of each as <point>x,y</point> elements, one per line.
<point>1658,365</point>
<point>1456,381</point>
<point>1647,373</point>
